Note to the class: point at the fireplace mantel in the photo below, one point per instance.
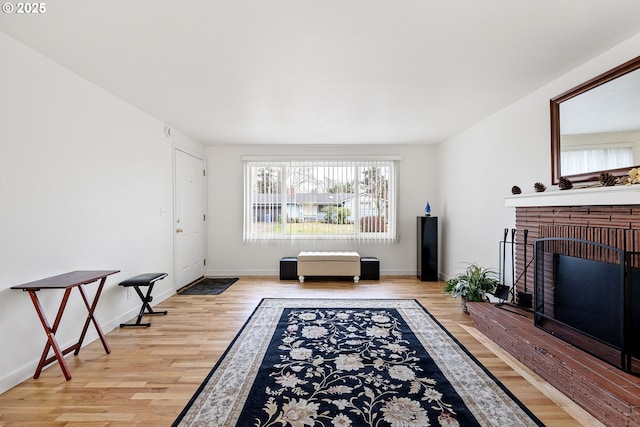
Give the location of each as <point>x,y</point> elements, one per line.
<point>586,196</point>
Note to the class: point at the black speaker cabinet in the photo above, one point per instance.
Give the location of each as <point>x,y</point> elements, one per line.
<point>289,268</point>
<point>369,268</point>
<point>428,248</point>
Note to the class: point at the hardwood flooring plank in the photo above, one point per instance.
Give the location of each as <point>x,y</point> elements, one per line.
<point>152,373</point>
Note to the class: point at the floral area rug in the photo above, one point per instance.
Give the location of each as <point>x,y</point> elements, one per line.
<point>348,363</point>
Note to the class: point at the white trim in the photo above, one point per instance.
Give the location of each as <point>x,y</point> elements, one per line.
<point>274,272</point>
<point>204,241</point>
<point>275,158</point>
<point>585,196</point>
<point>357,163</point>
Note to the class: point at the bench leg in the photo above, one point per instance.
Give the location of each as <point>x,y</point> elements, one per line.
<point>145,310</point>
<point>301,278</point>
<point>356,279</point>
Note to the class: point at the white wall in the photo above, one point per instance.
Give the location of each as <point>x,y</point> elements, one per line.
<point>478,167</point>
<point>228,255</point>
<point>84,177</point>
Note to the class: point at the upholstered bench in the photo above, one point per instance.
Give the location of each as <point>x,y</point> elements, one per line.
<point>329,264</point>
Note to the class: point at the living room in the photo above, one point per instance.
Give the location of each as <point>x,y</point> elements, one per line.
<point>89,177</point>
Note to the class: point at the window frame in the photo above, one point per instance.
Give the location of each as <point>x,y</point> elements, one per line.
<point>278,200</point>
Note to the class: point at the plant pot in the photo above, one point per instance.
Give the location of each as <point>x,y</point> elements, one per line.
<point>463,302</point>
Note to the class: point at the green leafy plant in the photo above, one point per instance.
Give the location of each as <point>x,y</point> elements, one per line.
<point>473,285</point>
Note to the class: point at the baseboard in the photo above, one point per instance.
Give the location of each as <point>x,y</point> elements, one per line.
<point>276,272</point>
<point>16,377</point>
<point>26,371</point>
<point>239,273</point>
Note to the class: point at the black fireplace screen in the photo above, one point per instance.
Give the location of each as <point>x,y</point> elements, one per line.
<point>584,294</point>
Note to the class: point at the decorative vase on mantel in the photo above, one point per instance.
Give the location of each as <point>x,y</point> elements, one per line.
<point>427,210</point>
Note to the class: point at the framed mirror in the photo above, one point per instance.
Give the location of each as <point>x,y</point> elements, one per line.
<point>595,127</point>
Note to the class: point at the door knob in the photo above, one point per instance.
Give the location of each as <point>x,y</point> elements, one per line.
<point>179,230</point>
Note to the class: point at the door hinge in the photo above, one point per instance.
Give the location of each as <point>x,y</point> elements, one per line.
<point>205,261</point>
<point>204,217</point>
<point>204,172</point>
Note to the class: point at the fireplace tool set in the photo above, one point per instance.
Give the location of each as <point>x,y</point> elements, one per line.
<point>506,292</point>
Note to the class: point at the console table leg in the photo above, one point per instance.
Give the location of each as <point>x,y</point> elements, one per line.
<point>51,335</point>
<point>90,318</point>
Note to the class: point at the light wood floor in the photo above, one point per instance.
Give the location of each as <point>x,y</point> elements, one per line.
<point>152,373</point>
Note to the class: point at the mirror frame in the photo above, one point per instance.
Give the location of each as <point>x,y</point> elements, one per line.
<point>556,173</point>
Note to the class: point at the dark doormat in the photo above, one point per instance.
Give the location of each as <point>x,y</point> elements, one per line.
<point>208,286</point>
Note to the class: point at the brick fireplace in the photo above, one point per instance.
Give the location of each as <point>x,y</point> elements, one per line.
<point>607,216</point>
<point>609,224</point>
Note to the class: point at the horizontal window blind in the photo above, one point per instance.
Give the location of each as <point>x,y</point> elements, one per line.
<point>340,199</point>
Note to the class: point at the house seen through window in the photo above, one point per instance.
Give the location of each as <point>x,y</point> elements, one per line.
<point>320,199</point>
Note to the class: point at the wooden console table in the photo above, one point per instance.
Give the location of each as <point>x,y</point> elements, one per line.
<point>66,281</point>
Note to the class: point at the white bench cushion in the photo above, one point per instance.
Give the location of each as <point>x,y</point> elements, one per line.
<point>329,264</point>
<point>328,256</point>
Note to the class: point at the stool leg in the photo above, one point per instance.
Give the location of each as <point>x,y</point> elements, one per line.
<point>140,314</point>
<point>147,299</point>
<point>145,309</point>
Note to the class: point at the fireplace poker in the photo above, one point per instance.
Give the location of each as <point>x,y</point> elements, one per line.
<point>502,291</point>
<point>513,263</point>
<point>525,298</point>
<point>526,232</point>
<point>504,255</point>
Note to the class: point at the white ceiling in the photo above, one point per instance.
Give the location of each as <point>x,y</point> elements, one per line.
<point>323,71</point>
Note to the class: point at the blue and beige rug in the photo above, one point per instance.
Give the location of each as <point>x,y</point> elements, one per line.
<point>349,363</point>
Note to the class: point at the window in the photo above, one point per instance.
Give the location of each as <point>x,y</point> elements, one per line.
<point>287,199</point>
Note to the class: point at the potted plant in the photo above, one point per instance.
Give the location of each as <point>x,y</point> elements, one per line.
<point>472,285</point>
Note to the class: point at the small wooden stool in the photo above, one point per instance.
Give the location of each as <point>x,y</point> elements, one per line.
<point>146,279</point>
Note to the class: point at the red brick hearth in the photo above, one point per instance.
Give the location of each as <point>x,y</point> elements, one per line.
<point>609,394</point>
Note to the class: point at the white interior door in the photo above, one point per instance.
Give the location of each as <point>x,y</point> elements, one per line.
<point>189,218</point>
